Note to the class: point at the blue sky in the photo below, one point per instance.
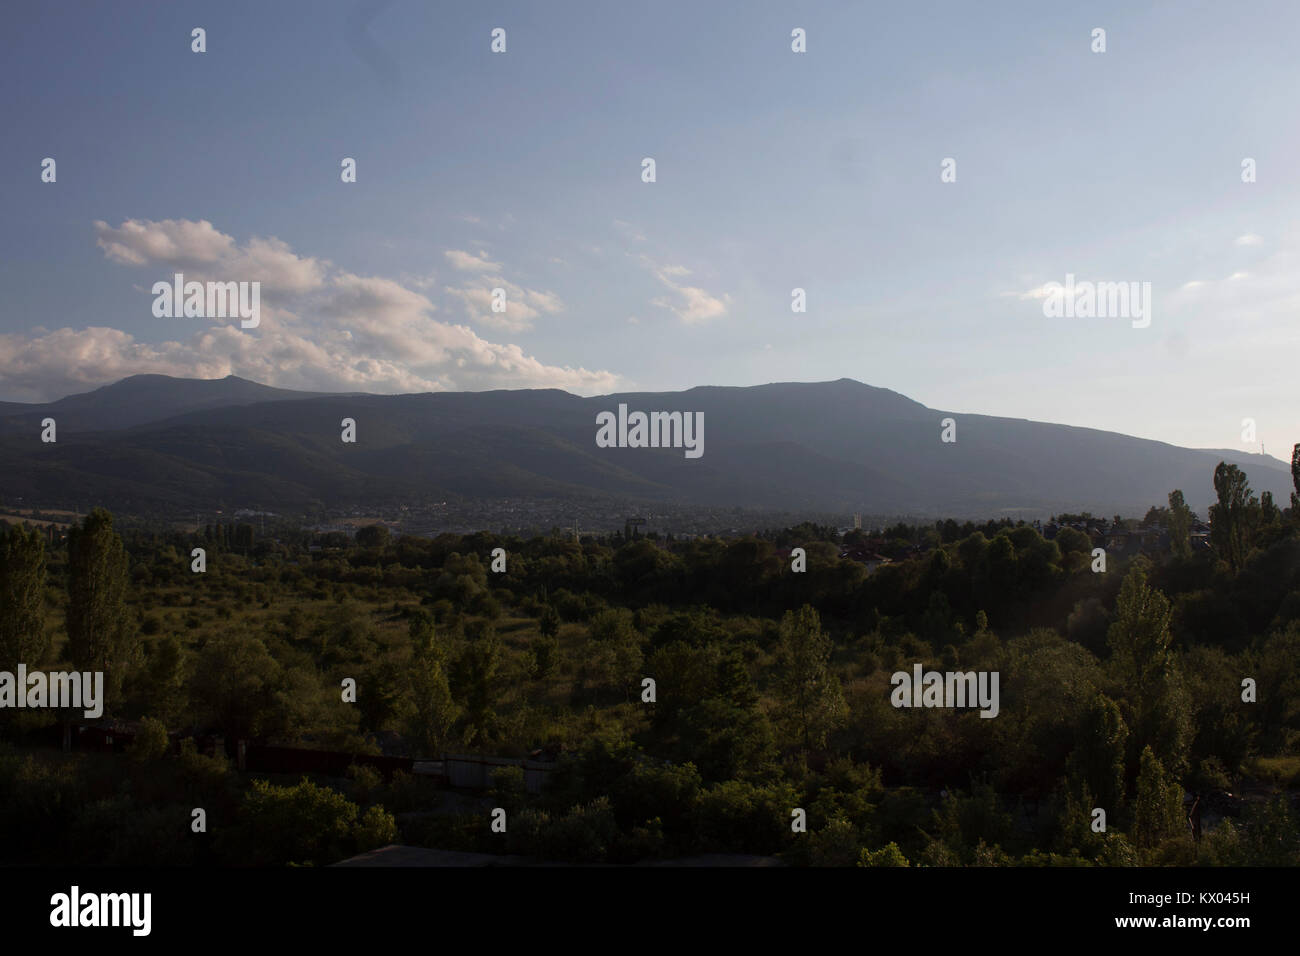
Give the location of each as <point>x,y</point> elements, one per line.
<point>775,170</point>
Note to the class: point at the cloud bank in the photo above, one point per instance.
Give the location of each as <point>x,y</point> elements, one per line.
<point>322,327</point>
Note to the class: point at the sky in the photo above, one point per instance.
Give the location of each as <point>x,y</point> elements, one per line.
<point>774,170</point>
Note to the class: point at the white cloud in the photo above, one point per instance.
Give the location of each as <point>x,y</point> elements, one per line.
<point>321,328</point>
<point>1249,239</point>
<point>517,317</point>
<point>523,306</point>
<point>468,262</point>
<point>172,241</point>
<point>203,254</point>
<point>1243,303</point>
<point>691,304</point>
<point>1037,292</point>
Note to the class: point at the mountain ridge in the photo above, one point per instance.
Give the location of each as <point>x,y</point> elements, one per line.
<point>839,446</point>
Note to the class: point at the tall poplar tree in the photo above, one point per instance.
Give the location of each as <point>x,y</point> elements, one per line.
<point>1180,525</point>
<point>1234,519</point>
<point>811,701</point>
<point>22,589</point>
<point>1295,480</point>
<point>99,636</point>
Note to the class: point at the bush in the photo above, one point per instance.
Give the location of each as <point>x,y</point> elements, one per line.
<point>836,844</point>
<point>887,855</point>
<point>365,781</point>
<point>739,817</point>
<point>303,824</point>
<point>202,775</point>
<point>150,743</point>
<point>546,650</point>
<point>376,828</point>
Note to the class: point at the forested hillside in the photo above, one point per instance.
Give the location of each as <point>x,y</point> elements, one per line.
<point>1171,675</point>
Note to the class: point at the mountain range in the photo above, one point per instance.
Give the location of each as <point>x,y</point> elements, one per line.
<point>155,443</point>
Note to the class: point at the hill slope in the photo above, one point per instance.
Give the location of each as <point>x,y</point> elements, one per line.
<point>153,441</point>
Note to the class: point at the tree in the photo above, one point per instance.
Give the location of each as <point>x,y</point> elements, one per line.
<point>887,855</point>
<point>1155,516</point>
<point>99,638</point>
<point>1295,480</point>
<point>1236,516</point>
<point>236,684</point>
<point>22,585</point>
<point>151,742</point>
<point>435,711</point>
<point>372,536</point>
<point>810,698</point>
<point>1098,757</point>
<point>1269,513</point>
<point>964,821</point>
<point>473,681</point>
<point>1180,525</point>
<point>1072,540</point>
<point>158,687</point>
<point>1140,641</point>
<point>723,740</point>
<point>1159,804</point>
<point>1139,637</point>
<point>549,623</point>
<point>303,824</point>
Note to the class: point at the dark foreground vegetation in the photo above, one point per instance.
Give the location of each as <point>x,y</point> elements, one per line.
<point>1175,673</point>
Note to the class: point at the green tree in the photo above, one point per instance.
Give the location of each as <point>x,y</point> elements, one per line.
<point>473,683</point>
<point>151,742</point>
<point>1073,541</point>
<point>374,829</point>
<point>159,685</point>
<point>887,855</point>
<point>1236,516</point>
<point>1098,757</point>
<point>22,585</point>
<point>235,684</point>
<point>302,824</point>
<point>1269,513</point>
<point>435,712</point>
<point>549,623</point>
<point>99,638</point>
<point>811,702</point>
<point>964,821</point>
<point>1158,808</point>
<point>1295,480</point>
<point>1180,525</point>
<point>1139,636</point>
<point>1142,658</point>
